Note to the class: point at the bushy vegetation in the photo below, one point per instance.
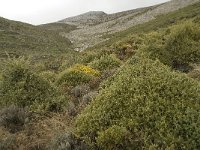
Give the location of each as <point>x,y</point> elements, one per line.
<point>76,75</point>
<point>66,141</point>
<point>195,74</point>
<point>177,47</point>
<point>50,76</point>
<point>127,47</point>
<point>105,62</point>
<point>125,93</point>
<point>13,118</point>
<point>114,137</point>
<point>21,87</point>
<point>8,142</point>
<point>156,105</point>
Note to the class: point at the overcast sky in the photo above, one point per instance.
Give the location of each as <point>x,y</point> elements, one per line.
<point>44,11</point>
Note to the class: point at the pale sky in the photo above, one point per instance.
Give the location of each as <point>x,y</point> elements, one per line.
<point>45,11</point>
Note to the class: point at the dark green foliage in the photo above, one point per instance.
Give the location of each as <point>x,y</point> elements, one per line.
<point>105,62</point>
<point>22,87</point>
<point>177,46</point>
<point>183,44</point>
<point>159,107</point>
<point>13,118</point>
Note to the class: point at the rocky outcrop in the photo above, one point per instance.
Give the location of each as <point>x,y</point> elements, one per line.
<point>86,19</point>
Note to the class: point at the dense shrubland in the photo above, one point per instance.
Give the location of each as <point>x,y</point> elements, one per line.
<point>177,46</point>
<point>153,104</point>
<point>22,87</point>
<point>140,92</point>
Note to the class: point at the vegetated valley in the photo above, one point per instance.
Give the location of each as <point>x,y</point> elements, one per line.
<point>124,81</point>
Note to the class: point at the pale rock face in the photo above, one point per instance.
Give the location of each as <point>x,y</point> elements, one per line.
<point>94,24</point>
<point>85,19</point>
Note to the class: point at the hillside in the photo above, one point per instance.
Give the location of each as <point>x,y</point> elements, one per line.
<point>18,38</point>
<point>98,24</point>
<point>59,27</point>
<point>161,21</point>
<point>139,89</point>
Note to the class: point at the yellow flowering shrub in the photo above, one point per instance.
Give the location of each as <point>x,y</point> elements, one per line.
<point>76,75</point>
<point>86,69</point>
<point>148,102</point>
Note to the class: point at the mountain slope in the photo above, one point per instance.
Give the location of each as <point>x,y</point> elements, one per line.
<point>20,38</point>
<point>191,12</point>
<point>124,93</point>
<point>98,24</point>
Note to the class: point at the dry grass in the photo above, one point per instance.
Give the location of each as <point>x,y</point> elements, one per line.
<point>39,132</point>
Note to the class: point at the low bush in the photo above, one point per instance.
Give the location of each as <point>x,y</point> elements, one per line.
<point>66,141</point>
<point>77,75</point>
<point>80,90</point>
<point>73,78</point>
<point>86,69</point>
<point>114,138</point>
<point>183,44</point>
<point>88,56</point>
<point>23,88</point>
<point>105,62</point>
<point>195,74</point>
<point>13,118</point>
<point>177,46</point>
<point>126,48</point>
<point>49,76</point>
<point>158,107</point>
<point>8,143</point>
<point>87,98</point>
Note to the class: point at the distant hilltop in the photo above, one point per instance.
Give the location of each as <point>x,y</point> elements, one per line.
<point>95,24</point>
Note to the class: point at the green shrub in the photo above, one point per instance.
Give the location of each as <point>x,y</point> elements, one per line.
<point>114,138</point>
<point>21,87</point>
<point>195,74</point>
<point>76,75</point>
<point>183,44</point>
<point>49,76</point>
<point>159,107</point>
<point>177,47</point>
<point>88,56</point>
<point>105,62</point>
<point>128,46</point>
<point>73,78</point>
